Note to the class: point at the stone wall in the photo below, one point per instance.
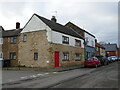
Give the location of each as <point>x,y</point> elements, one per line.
<point>66,48</point>
<point>8,48</point>
<point>36,42</point>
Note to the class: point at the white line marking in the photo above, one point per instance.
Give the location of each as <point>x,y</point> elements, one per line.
<point>40,74</point>
<point>23,77</point>
<point>33,76</point>
<point>46,73</point>
<point>11,80</point>
<point>55,72</point>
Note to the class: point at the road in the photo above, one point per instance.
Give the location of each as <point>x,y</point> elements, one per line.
<point>102,77</point>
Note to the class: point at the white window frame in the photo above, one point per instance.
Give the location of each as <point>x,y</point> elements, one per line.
<point>65,56</point>
<point>1,40</point>
<point>24,38</point>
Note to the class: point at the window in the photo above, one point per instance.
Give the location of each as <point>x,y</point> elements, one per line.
<point>25,38</point>
<point>12,55</point>
<point>1,55</point>
<point>86,40</point>
<point>35,56</point>
<point>92,43</point>
<point>78,56</point>
<point>13,39</point>
<point>65,56</point>
<point>1,40</point>
<point>65,40</point>
<point>77,42</point>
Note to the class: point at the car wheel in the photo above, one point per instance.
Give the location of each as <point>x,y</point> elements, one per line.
<point>96,66</point>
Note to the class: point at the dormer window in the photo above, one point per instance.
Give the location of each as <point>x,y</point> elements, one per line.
<point>65,40</point>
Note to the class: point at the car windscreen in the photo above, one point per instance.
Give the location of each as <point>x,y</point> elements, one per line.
<point>90,59</point>
<point>99,58</point>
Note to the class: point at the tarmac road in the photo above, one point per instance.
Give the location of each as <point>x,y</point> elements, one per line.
<point>104,77</point>
<point>101,77</point>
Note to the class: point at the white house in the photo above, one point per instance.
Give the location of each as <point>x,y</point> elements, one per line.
<point>46,43</point>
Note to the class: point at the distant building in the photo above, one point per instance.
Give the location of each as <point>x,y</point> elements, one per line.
<point>111,49</point>
<point>100,50</point>
<point>89,39</point>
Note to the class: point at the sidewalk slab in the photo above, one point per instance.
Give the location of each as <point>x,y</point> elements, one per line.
<point>59,69</point>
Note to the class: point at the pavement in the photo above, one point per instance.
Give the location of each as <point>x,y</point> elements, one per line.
<point>58,69</point>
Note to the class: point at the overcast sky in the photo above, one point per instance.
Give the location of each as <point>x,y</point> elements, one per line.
<point>98,18</point>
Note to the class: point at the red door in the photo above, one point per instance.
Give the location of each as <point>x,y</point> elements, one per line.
<point>56,59</point>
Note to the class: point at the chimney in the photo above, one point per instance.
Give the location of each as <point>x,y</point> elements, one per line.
<point>17,25</point>
<point>95,40</point>
<point>53,19</point>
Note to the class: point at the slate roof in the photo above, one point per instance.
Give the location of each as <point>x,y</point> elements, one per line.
<point>97,44</point>
<point>59,28</point>
<point>110,47</point>
<point>1,28</point>
<point>10,33</point>
<point>78,28</point>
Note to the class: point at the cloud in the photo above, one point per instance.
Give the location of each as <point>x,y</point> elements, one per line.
<point>98,18</point>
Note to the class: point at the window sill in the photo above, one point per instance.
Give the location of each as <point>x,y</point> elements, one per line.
<point>12,59</point>
<point>13,43</point>
<point>24,41</point>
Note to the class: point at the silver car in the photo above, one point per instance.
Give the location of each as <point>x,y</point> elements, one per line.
<point>114,58</point>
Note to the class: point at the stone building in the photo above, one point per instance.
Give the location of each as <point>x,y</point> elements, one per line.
<point>10,45</point>
<point>100,50</point>
<point>1,42</point>
<point>47,44</point>
<point>111,50</point>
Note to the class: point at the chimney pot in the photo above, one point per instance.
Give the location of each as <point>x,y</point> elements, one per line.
<point>96,40</point>
<point>17,25</point>
<point>53,19</point>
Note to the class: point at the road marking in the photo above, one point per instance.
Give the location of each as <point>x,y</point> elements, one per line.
<point>11,80</point>
<point>40,74</point>
<point>33,76</point>
<point>55,72</point>
<point>23,77</point>
<point>46,73</point>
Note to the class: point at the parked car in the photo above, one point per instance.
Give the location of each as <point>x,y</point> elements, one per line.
<point>114,58</point>
<point>110,59</point>
<point>103,60</point>
<point>92,61</point>
<point>106,60</point>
